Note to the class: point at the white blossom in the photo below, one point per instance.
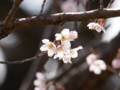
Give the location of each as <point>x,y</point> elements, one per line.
<point>116,63</point>
<point>40,82</point>
<point>69,6</point>
<point>48,46</point>
<point>96,26</point>
<point>98,66</point>
<point>66,54</point>
<point>66,35</point>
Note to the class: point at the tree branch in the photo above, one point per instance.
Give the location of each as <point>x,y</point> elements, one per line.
<point>56,19</point>
<point>42,7</point>
<point>12,12</point>
<point>23,61</point>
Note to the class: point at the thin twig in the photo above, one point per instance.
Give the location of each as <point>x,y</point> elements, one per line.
<point>42,7</point>
<point>101,4</point>
<point>23,61</point>
<point>113,70</point>
<point>110,3</point>
<point>12,13</point>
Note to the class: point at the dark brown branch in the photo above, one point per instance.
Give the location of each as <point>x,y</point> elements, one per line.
<point>42,7</point>
<point>12,12</point>
<point>61,18</point>
<point>23,61</point>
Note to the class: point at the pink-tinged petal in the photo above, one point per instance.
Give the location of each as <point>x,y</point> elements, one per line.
<point>51,53</point>
<point>101,64</point>
<point>46,41</point>
<point>91,58</point>
<point>74,54</point>
<point>116,63</point>
<point>65,32</point>
<point>37,82</point>
<point>103,29</point>
<point>95,69</point>
<point>44,48</point>
<point>40,75</point>
<point>66,44</point>
<point>78,48</point>
<point>36,88</point>
<point>73,35</point>
<point>58,36</point>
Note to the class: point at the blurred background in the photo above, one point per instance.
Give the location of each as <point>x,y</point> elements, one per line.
<point>25,43</point>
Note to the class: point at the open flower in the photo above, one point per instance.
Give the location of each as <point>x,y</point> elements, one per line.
<point>98,66</point>
<point>66,35</point>
<point>95,64</point>
<point>96,26</point>
<point>69,6</point>
<point>48,46</point>
<point>40,82</point>
<point>66,54</point>
<point>116,63</point>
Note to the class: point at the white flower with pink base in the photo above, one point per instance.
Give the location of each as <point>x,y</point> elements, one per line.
<point>48,46</point>
<point>95,65</point>
<point>98,66</point>
<point>96,26</point>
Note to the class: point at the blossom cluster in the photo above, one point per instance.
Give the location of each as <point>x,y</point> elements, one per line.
<point>97,26</point>
<point>40,82</point>
<point>61,47</point>
<point>96,65</point>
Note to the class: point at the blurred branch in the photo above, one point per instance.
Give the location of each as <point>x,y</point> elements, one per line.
<point>11,14</point>
<point>56,19</point>
<point>42,7</point>
<point>23,61</point>
<point>110,3</point>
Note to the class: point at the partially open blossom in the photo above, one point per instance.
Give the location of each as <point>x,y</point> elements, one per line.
<point>73,35</point>
<point>96,26</point>
<point>98,66</point>
<point>91,58</point>
<point>66,35</point>
<point>116,63</point>
<point>40,82</point>
<point>48,46</point>
<point>69,6</point>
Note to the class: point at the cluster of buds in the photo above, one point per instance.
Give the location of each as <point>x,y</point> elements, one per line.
<point>61,47</point>
<point>69,6</point>
<point>98,26</point>
<point>96,65</point>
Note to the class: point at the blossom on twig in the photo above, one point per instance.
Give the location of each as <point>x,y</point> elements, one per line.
<point>98,66</point>
<point>61,48</point>
<point>96,26</point>
<point>48,46</point>
<point>95,64</point>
